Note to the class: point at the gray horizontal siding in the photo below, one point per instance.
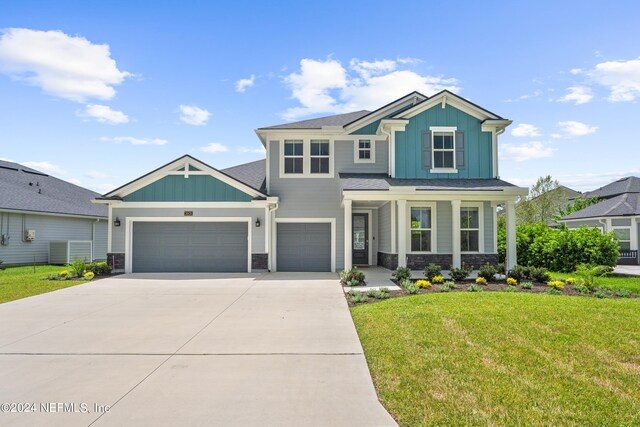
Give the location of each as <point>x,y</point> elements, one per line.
<point>345,154</point>
<point>47,227</point>
<point>257,234</point>
<point>79,250</point>
<point>384,228</point>
<point>587,222</point>
<point>100,241</point>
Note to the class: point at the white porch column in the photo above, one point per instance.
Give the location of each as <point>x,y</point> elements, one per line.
<point>394,224</point>
<point>512,257</point>
<point>402,233</point>
<point>455,237</point>
<point>348,234</point>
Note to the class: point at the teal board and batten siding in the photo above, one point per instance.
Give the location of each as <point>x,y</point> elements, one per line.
<point>195,188</point>
<point>372,128</point>
<point>477,144</point>
<point>257,233</point>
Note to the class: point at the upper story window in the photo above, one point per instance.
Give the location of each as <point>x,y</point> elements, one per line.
<point>364,151</point>
<point>320,156</point>
<point>443,149</point>
<point>470,229</point>
<point>420,229</point>
<point>293,157</point>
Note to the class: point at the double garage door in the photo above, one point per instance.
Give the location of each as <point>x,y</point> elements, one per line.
<point>190,247</point>
<point>304,246</point>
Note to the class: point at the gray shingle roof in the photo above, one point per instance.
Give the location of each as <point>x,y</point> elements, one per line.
<point>253,174</point>
<point>360,182</point>
<point>630,184</point>
<point>26,189</point>
<point>620,205</point>
<point>317,123</point>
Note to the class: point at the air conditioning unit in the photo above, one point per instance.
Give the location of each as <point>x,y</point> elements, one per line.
<point>30,235</point>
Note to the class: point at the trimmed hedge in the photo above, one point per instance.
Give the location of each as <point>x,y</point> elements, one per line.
<point>561,249</point>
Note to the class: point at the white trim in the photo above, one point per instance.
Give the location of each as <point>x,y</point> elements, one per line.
<point>412,98</point>
<point>631,240</point>
<point>451,99</point>
<point>372,149</point>
<point>433,195</point>
<point>252,204</point>
<point>267,165</point>
<point>494,212</point>
<point>434,226</point>
<point>369,213</point>
<point>18,211</point>
<point>394,235</point>
<point>332,221</point>
<point>306,156</point>
<point>512,254</point>
<point>480,206</point>
<point>494,152</point>
<point>402,236</point>
<point>128,235</point>
<point>110,229</point>
<point>443,129</point>
<point>348,234</point>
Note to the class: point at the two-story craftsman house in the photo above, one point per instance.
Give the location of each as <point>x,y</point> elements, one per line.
<point>413,182</point>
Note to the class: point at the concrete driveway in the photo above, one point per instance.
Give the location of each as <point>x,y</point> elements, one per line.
<point>182,350</point>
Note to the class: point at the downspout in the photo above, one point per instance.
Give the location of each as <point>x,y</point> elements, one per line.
<point>604,225</point>
<point>272,210</point>
<point>391,152</point>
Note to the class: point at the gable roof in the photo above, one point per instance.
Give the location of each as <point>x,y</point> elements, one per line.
<point>479,111</point>
<point>629,184</point>
<point>174,166</point>
<point>254,174</point>
<point>620,205</point>
<point>319,122</point>
<point>26,189</point>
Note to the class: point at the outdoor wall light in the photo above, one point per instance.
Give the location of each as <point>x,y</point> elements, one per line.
<point>258,222</point>
<point>116,223</point>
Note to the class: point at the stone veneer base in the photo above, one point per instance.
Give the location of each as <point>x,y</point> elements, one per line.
<point>388,261</point>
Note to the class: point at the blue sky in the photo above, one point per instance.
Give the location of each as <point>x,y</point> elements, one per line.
<point>99,94</point>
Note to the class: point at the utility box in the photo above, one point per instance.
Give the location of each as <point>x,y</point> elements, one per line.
<point>66,251</point>
<point>30,235</point>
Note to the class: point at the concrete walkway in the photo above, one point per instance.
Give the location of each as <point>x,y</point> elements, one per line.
<point>628,270</point>
<point>181,350</point>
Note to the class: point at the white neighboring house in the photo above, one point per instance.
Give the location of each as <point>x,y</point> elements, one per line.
<point>36,208</point>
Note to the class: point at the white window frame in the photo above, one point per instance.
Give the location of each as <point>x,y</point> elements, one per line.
<point>292,156</point>
<point>434,240</point>
<point>624,227</point>
<point>480,207</point>
<point>443,129</point>
<point>372,149</point>
<point>306,162</point>
<point>319,156</point>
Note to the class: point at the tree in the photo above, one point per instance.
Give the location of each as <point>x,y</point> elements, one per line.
<point>544,200</point>
<point>578,204</point>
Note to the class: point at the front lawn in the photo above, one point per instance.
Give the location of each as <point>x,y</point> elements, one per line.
<point>22,282</point>
<point>504,359</point>
<point>631,283</point>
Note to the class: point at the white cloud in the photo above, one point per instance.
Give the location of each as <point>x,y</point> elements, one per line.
<point>104,114</point>
<point>556,135</point>
<point>525,129</point>
<point>214,147</point>
<point>409,60</point>
<point>75,181</point>
<point>574,128</point>
<point>45,167</point>
<point>192,115</point>
<point>534,94</point>
<point>7,160</point>
<point>243,84</point>
<point>96,175</point>
<point>259,150</point>
<point>328,87</point>
<point>581,181</point>
<point>622,78</point>
<point>576,71</point>
<point>134,141</point>
<point>101,188</point>
<point>526,151</point>
<point>69,67</point>
<point>578,94</point>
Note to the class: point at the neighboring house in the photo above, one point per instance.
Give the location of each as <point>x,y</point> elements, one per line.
<point>556,199</point>
<point>413,182</point>
<point>36,208</point>
<point>619,211</point>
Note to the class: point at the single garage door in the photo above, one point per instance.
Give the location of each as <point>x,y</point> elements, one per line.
<point>304,247</point>
<point>189,247</point>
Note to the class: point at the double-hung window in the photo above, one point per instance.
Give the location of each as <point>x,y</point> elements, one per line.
<point>444,152</point>
<point>293,156</point>
<point>420,229</point>
<point>623,234</point>
<point>469,229</point>
<point>320,156</point>
<point>364,151</point>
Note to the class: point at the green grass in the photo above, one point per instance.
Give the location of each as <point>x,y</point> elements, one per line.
<point>22,282</point>
<point>506,359</point>
<point>631,283</point>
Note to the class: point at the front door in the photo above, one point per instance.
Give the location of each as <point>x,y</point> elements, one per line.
<point>360,240</point>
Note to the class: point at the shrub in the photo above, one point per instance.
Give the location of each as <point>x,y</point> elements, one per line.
<point>432,270</point>
<point>526,285</point>
<point>63,273</point>
<point>570,281</point>
<point>556,284</point>
<point>552,291</point>
<point>582,289</point>
<point>517,273</point>
<point>410,287</point>
<point>589,275</point>
<point>481,281</point>
<point>511,281</point>
<point>401,274</point>
<point>423,284</point>
<point>78,267</point>
<point>623,293</point>
<point>510,289</point>
<point>99,268</point>
<point>447,286</point>
<point>474,288</point>
<point>437,279</point>
<point>488,272</point>
<point>353,277</point>
<point>88,275</point>
<point>539,274</point>
<point>357,297</point>
<point>381,293</point>
<point>459,274</point>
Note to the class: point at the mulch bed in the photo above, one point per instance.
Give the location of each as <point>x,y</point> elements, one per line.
<point>497,286</point>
